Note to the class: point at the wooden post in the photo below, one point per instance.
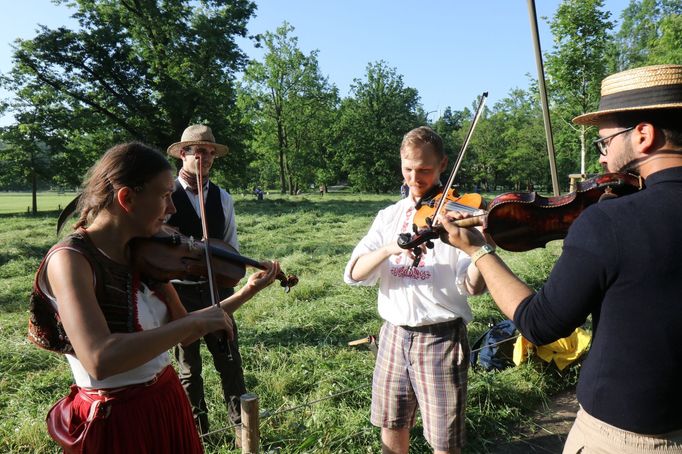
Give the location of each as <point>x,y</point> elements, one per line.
<point>573,179</point>
<point>250,423</point>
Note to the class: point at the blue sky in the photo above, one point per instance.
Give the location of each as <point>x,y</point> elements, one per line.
<point>450,51</point>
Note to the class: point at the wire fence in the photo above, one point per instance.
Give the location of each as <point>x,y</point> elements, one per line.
<point>370,341</point>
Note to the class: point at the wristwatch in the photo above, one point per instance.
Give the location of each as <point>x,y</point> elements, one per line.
<point>485,249</point>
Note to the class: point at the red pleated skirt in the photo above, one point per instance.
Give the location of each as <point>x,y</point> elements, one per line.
<point>142,419</point>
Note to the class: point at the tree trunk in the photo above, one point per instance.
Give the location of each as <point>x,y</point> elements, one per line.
<point>282,146</point>
<point>34,186</point>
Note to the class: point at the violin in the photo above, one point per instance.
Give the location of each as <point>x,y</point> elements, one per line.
<point>521,221</point>
<point>471,203</point>
<point>424,228</point>
<point>175,256</point>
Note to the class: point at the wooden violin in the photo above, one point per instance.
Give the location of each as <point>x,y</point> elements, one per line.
<point>175,256</point>
<point>424,228</point>
<point>471,203</point>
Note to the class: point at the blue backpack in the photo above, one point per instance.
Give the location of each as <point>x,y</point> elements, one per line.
<point>495,348</point>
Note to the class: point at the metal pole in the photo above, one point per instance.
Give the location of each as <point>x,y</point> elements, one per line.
<point>543,94</point>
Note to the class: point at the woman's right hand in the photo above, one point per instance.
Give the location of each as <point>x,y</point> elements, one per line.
<point>212,319</point>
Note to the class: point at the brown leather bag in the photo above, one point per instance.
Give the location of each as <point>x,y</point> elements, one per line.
<point>69,430</point>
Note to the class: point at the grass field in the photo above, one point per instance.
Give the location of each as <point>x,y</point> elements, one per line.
<point>294,345</point>
<point>20,202</point>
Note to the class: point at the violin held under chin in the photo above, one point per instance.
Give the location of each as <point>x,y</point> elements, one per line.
<point>175,256</point>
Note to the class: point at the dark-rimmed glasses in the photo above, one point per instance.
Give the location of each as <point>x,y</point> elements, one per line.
<point>602,144</point>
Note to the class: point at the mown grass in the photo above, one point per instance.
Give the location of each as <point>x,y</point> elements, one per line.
<point>21,202</point>
<point>294,345</point>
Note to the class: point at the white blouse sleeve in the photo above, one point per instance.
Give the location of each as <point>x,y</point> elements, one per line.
<point>371,242</point>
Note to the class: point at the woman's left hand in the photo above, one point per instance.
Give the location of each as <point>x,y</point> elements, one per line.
<point>261,279</point>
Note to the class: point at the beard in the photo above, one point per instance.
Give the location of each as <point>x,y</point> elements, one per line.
<point>626,160</point>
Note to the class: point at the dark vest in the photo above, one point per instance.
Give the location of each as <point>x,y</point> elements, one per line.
<point>119,307</point>
<point>186,218</point>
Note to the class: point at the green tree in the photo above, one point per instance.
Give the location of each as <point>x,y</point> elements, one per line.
<point>650,33</point>
<point>447,126</point>
<point>508,149</point>
<point>25,159</point>
<point>135,69</point>
<point>576,67</point>
<point>380,110</point>
<point>292,108</point>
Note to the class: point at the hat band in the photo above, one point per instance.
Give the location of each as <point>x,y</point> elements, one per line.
<point>643,98</point>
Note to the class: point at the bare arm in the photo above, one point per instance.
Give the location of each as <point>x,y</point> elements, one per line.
<point>102,352</point>
<point>507,290</point>
<point>257,282</point>
<point>365,265</point>
<point>474,281</point>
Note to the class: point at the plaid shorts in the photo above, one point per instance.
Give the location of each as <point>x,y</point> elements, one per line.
<point>427,367</point>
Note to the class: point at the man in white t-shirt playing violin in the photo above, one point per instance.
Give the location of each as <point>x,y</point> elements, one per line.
<point>423,354</point>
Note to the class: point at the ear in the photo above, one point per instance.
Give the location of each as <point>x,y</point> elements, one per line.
<point>644,137</point>
<point>124,197</point>
<point>444,164</point>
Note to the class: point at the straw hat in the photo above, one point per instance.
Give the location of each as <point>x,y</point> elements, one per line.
<point>197,135</point>
<point>647,88</point>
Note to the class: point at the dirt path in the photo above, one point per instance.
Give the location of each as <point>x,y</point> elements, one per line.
<point>552,425</point>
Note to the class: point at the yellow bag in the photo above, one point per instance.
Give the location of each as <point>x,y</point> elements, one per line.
<point>563,351</point>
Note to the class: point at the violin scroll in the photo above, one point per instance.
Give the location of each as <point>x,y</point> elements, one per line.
<point>287,281</point>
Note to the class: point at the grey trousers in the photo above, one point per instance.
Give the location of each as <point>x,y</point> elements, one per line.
<point>231,374</point>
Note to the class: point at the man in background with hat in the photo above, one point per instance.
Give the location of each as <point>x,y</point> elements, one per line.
<point>622,264</point>
<point>198,140</point>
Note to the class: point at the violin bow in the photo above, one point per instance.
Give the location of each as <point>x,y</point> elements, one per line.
<point>460,157</point>
<point>417,251</point>
<point>67,212</point>
<point>213,288</point>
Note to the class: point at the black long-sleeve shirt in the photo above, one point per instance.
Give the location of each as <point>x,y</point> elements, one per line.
<point>622,263</point>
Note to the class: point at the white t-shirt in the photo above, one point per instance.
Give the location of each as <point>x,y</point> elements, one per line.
<point>433,292</point>
<point>151,313</point>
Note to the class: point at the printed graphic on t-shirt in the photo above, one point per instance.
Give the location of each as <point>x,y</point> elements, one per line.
<point>415,274</point>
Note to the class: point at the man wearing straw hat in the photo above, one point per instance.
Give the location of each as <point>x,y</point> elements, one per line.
<point>198,140</point>
<point>622,264</point>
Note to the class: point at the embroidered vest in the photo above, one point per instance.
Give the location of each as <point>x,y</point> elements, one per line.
<point>115,287</point>
<point>186,218</point>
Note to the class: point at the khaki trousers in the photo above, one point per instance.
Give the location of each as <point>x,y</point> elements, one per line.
<point>590,435</point>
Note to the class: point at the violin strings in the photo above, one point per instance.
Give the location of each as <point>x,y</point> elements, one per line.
<point>454,206</point>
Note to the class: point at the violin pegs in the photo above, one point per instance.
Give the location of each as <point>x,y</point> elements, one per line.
<point>429,244</point>
<point>415,229</point>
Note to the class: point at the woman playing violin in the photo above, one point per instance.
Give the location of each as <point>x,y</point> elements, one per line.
<point>423,349</point>
<point>621,265</point>
<point>114,325</point>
